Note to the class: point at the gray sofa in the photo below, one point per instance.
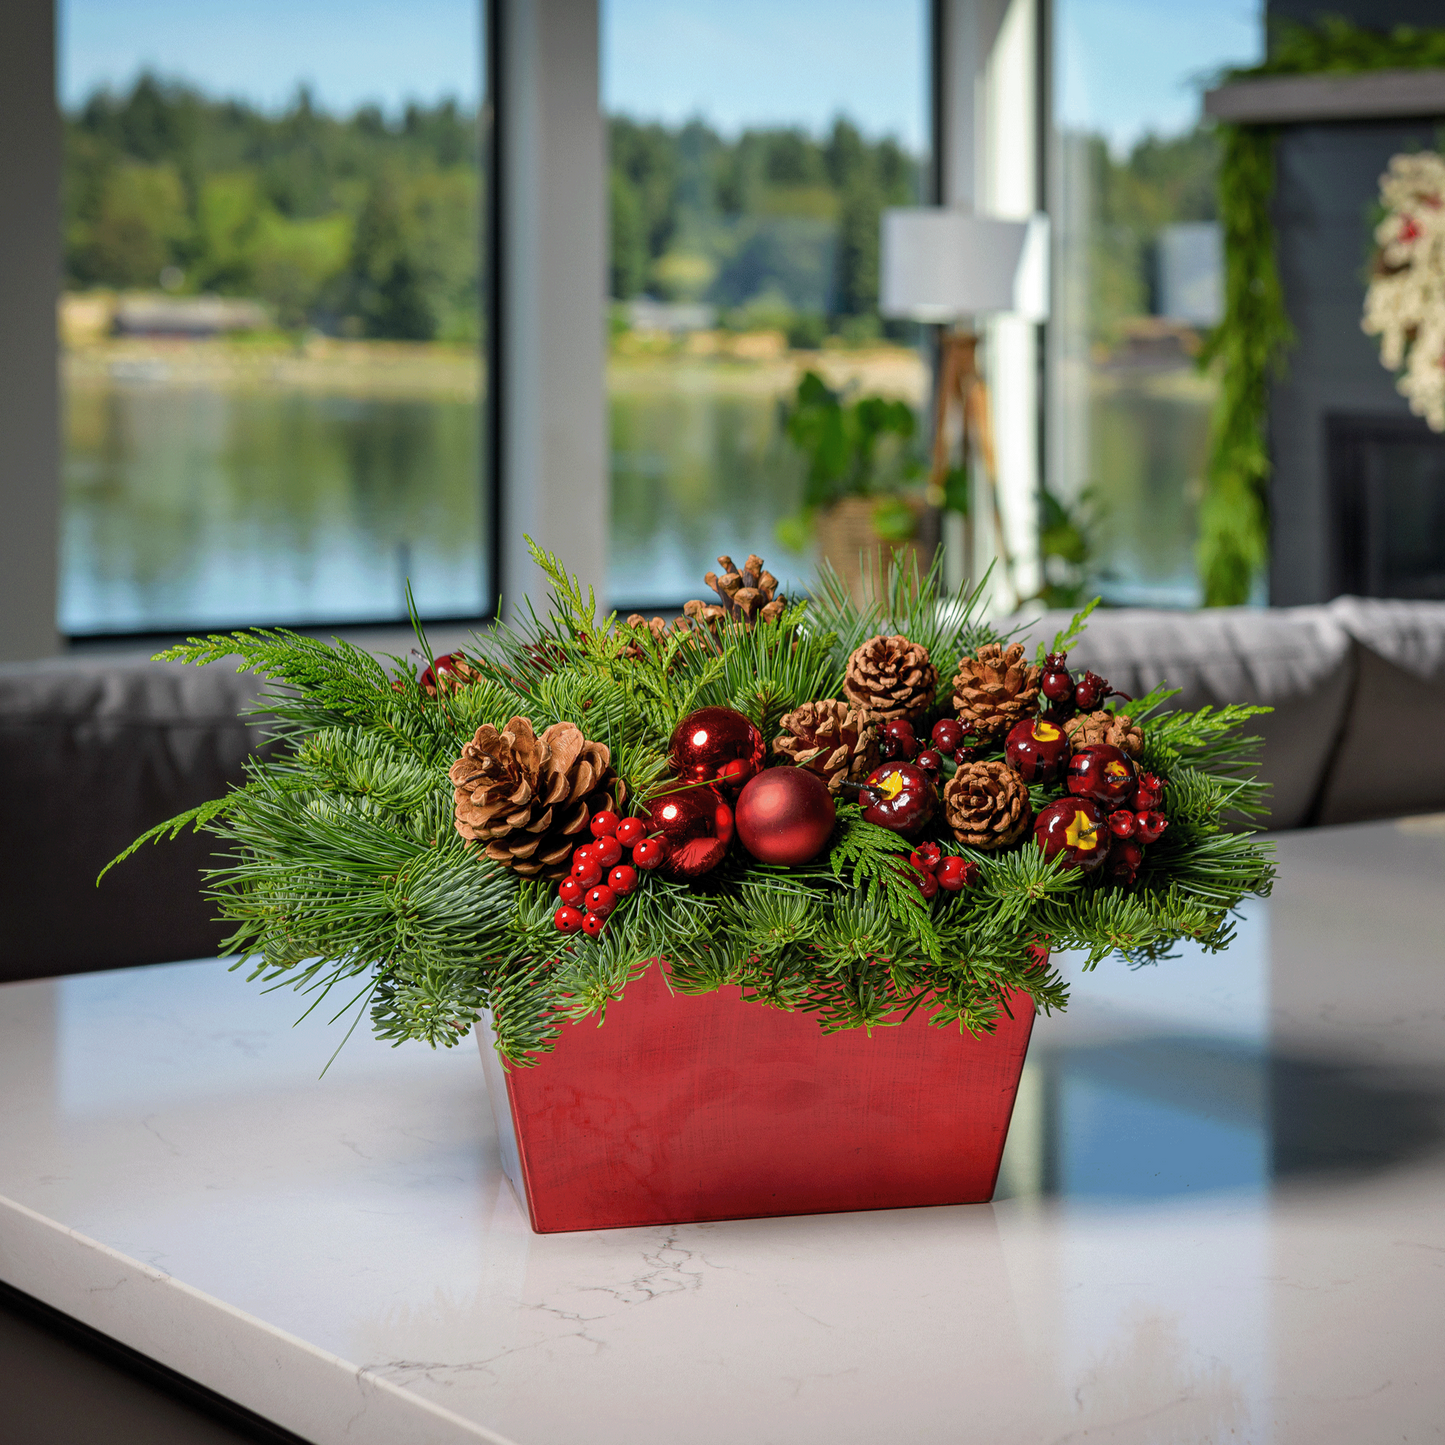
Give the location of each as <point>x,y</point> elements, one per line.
<point>94,750</point>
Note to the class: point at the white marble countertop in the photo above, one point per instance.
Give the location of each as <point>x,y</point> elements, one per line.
<point>1222,1216</point>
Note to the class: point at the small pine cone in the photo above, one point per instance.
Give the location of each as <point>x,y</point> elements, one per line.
<point>889,678</point>
<point>636,651</point>
<point>829,738</point>
<point>1105,727</point>
<point>987,806</point>
<point>996,689</point>
<point>748,593</point>
<point>529,798</point>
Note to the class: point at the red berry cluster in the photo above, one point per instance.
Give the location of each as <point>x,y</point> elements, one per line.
<point>898,743</point>
<point>1134,826</point>
<point>1065,696</point>
<point>953,874</point>
<point>584,889</point>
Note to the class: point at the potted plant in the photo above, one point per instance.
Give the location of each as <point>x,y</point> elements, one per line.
<point>752,910</point>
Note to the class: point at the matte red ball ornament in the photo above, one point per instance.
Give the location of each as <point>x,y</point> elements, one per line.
<point>900,796</point>
<point>631,831</point>
<point>716,744</point>
<point>1076,829</point>
<point>1037,750</point>
<point>785,816</point>
<point>1104,773</point>
<point>696,826</point>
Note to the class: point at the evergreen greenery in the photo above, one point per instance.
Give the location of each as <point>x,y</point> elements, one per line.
<point>344,869</point>
<point>1253,336</point>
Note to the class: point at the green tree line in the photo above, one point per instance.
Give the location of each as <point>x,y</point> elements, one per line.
<point>359,224</point>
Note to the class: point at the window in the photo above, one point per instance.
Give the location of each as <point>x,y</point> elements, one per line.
<point>1138,283</point>
<point>752,149</point>
<point>272,320</point>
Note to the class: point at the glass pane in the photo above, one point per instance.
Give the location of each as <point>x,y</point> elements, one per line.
<point>753,147</point>
<point>272,319</point>
<point>1138,283</point>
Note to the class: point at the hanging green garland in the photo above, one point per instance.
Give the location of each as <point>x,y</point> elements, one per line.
<point>1252,339</point>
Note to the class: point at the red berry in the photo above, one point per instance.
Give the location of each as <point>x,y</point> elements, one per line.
<point>604,824</point>
<point>587,871</point>
<point>931,761</point>
<point>649,853</point>
<point>1123,824</point>
<point>925,857</point>
<point>1091,692</point>
<point>622,880</point>
<point>928,884</point>
<point>601,900</point>
<point>592,925</point>
<point>607,852</point>
<point>568,920</point>
<point>955,873</point>
<point>631,831</point>
<point>897,741</point>
<point>569,890</point>
<point>581,851</point>
<point>946,735</point>
<point>1151,826</point>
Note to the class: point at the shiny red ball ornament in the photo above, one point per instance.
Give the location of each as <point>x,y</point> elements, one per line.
<point>1037,750</point>
<point>1076,830</point>
<point>650,853</point>
<point>946,735</point>
<point>955,874</point>
<point>569,890</point>
<point>622,880</point>
<point>785,816</point>
<point>716,745</point>
<point>601,900</point>
<point>607,852</point>
<point>593,924</point>
<point>604,824</point>
<point>567,919</point>
<point>696,826</point>
<point>900,796</point>
<point>1104,773</point>
<point>630,832</point>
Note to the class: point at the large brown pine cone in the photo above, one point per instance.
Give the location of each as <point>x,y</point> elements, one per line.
<point>529,798</point>
<point>829,738</point>
<point>987,806</point>
<point>746,594</point>
<point>889,678</point>
<point>1105,727</point>
<point>996,689</point>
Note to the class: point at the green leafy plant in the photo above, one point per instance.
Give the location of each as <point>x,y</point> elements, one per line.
<point>1252,339</point>
<point>344,869</point>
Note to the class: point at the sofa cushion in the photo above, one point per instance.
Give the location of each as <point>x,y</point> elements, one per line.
<point>1295,660</point>
<point>1391,754</point>
<point>93,751</point>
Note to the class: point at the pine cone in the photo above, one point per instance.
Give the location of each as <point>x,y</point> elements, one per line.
<point>996,689</point>
<point>636,651</point>
<point>891,677</point>
<point>829,738</point>
<point>530,799</point>
<point>1105,727</point>
<point>987,806</point>
<point>748,594</point>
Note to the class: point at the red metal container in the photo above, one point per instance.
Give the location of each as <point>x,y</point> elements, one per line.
<point>682,1108</point>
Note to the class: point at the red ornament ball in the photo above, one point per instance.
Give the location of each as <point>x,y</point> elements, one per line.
<point>1037,750</point>
<point>1076,830</point>
<point>696,826</point>
<point>1104,773</point>
<point>650,853</point>
<point>900,796</point>
<point>622,880</point>
<point>716,745</point>
<point>785,816</point>
<point>631,831</point>
<point>567,919</point>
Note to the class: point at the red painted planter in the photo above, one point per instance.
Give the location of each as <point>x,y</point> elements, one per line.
<point>684,1108</point>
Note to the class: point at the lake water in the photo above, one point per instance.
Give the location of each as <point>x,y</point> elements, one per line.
<point>189,507</point>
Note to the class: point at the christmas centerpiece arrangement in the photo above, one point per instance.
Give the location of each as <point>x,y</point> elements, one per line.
<point>1405,302</point>
<point>865,813</point>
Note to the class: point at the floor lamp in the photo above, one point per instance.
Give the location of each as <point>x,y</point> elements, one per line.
<point>950,267</point>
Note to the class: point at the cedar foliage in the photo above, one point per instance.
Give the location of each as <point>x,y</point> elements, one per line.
<point>345,869</point>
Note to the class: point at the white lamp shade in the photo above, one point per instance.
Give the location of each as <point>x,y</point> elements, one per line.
<point>938,265</point>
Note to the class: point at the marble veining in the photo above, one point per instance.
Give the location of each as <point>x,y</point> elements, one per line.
<point>1220,1216</point>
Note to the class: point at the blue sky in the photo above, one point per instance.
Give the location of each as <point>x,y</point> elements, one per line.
<point>1125,66</point>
